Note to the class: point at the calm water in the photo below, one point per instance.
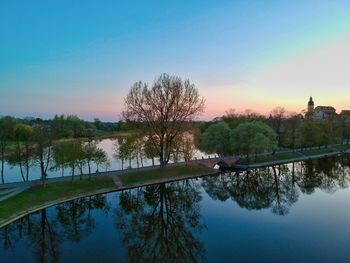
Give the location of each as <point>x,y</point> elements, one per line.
<point>291,213</point>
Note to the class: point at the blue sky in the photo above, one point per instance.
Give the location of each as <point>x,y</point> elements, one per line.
<point>81,57</point>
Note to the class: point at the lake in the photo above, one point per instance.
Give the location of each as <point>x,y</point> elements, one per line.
<point>290,213</point>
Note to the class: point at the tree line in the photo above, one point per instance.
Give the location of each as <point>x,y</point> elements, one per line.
<point>162,113</point>
<point>250,132</point>
<point>138,147</point>
<point>50,145</point>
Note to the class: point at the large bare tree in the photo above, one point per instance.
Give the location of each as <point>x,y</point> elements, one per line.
<point>163,109</point>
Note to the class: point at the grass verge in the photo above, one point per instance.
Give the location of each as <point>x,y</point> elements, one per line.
<point>291,155</point>
<point>145,176</point>
<point>2,194</point>
<point>343,147</point>
<point>276,157</point>
<point>38,196</point>
<point>318,151</point>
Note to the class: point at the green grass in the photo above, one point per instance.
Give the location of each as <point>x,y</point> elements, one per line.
<point>318,151</point>
<point>38,196</point>
<point>112,134</point>
<point>1,194</point>
<point>291,155</point>
<point>343,147</point>
<point>276,157</point>
<point>133,178</point>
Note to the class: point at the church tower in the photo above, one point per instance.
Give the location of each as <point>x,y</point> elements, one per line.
<point>310,105</point>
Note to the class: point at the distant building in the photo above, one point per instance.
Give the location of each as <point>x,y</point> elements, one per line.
<point>345,114</point>
<point>320,112</point>
<point>324,112</point>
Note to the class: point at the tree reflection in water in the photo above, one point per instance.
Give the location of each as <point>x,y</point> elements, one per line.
<point>159,223</point>
<point>279,187</point>
<point>328,174</point>
<point>44,233</point>
<point>162,223</point>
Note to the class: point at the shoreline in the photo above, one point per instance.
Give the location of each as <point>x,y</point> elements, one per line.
<point>120,186</point>
<point>115,188</point>
<point>289,160</point>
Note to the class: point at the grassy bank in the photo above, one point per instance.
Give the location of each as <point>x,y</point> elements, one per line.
<point>343,147</point>
<point>291,155</point>
<point>54,192</point>
<point>2,194</point>
<point>145,176</point>
<point>275,157</point>
<point>115,134</point>
<point>38,197</point>
<point>319,151</point>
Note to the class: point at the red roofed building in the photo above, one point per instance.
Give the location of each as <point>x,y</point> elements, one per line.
<point>324,112</point>
<point>320,112</point>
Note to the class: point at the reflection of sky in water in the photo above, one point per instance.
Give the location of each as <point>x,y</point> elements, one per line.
<point>12,174</point>
<point>248,225</point>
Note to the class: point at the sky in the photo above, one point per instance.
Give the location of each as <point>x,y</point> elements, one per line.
<point>81,57</point>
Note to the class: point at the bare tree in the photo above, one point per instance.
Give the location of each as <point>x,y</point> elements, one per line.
<point>187,148</point>
<point>6,127</point>
<point>163,108</point>
<point>42,137</point>
<point>277,116</point>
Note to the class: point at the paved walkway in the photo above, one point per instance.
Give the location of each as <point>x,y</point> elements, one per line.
<point>117,181</point>
<point>9,192</point>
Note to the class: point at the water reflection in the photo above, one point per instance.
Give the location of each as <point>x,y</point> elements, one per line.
<point>328,174</point>
<point>273,188</point>
<point>165,222</point>
<point>44,233</point>
<point>160,223</point>
<point>279,187</point>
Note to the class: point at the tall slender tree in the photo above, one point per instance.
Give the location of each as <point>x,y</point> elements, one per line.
<point>43,138</point>
<point>23,134</point>
<point>6,128</point>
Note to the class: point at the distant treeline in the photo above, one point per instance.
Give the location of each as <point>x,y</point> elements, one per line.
<point>67,142</point>
<point>71,126</point>
<point>34,141</point>
<point>250,132</point>
<point>43,143</point>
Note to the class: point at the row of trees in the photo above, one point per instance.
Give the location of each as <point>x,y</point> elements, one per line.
<point>138,147</point>
<point>247,138</point>
<point>16,145</point>
<point>75,155</point>
<point>294,130</point>
<point>250,132</point>
<point>162,112</point>
<point>25,146</point>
